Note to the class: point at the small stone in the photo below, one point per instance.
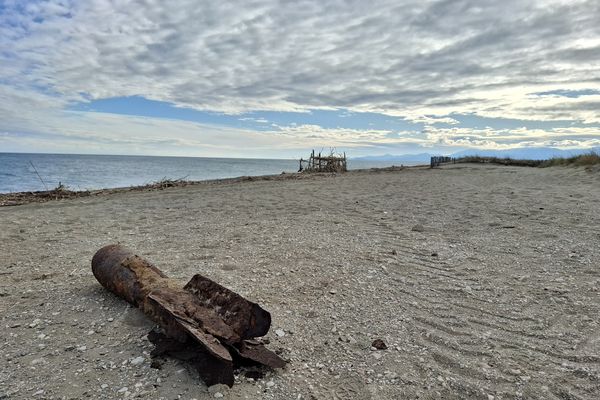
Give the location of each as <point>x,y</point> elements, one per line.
<point>122,390</point>
<point>418,228</point>
<point>270,384</point>
<point>390,375</point>
<point>39,392</point>
<point>218,395</point>
<point>137,361</point>
<point>110,319</point>
<point>218,388</point>
<point>379,344</point>
<point>37,361</point>
<point>103,386</point>
<point>280,332</point>
<point>81,348</point>
<point>333,291</point>
<point>515,371</point>
<point>35,323</point>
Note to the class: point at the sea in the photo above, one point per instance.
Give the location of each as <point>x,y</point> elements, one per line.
<point>23,172</point>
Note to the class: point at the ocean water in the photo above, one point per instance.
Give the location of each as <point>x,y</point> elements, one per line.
<point>83,172</point>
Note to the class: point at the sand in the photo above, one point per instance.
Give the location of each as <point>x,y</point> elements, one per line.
<point>482,280</point>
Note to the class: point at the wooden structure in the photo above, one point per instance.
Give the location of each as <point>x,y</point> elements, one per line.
<point>320,163</point>
<point>439,160</point>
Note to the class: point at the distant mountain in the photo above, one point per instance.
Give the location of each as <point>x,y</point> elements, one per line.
<point>525,153</point>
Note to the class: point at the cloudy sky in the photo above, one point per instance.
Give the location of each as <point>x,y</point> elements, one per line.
<point>266,78</point>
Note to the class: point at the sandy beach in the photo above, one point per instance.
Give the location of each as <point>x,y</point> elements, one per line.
<point>482,280</point>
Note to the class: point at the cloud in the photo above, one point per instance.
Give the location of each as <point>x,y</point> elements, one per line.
<point>419,59</point>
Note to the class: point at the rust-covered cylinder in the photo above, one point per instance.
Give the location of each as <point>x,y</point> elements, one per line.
<point>125,274</point>
<point>202,317</point>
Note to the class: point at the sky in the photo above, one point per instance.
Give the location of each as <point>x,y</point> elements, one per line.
<point>275,79</point>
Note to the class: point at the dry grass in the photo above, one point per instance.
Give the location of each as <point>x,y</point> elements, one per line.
<point>498,160</point>
<point>583,160</point>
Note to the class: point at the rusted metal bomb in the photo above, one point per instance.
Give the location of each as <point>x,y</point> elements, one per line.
<point>202,321</point>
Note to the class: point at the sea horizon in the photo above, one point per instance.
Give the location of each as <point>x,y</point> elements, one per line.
<point>24,172</point>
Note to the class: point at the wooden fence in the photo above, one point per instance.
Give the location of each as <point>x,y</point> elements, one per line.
<point>439,160</point>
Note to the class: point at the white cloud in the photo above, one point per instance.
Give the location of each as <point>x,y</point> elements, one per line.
<point>422,59</point>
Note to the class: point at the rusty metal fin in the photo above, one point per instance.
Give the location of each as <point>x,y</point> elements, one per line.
<point>176,322</point>
<point>257,352</point>
<point>247,319</point>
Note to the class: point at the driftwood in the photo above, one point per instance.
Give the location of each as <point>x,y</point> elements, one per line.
<point>202,322</point>
<point>323,163</point>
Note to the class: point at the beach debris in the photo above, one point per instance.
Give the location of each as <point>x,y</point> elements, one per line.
<point>201,322</point>
<point>324,163</point>
<point>379,344</point>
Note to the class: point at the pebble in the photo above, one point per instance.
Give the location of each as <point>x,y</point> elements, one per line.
<point>379,344</point>
<point>137,361</point>
<point>218,388</point>
<point>280,332</point>
<point>35,323</point>
<point>418,228</point>
<point>218,395</point>
<point>270,384</point>
<point>123,389</point>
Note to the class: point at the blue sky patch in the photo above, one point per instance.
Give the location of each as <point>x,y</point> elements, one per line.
<point>256,120</point>
<point>573,94</point>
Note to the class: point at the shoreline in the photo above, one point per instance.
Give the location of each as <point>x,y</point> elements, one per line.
<point>41,196</point>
